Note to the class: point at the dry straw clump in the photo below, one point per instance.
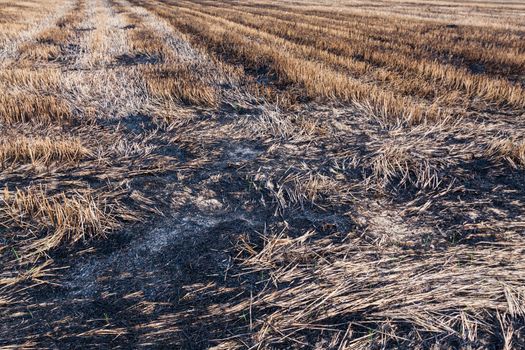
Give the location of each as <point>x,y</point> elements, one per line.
<point>402,165</point>
<point>512,151</point>
<point>39,81</point>
<point>61,218</point>
<point>179,83</point>
<point>22,150</point>
<point>22,107</point>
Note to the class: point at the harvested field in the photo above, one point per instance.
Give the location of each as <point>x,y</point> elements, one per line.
<point>249,174</point>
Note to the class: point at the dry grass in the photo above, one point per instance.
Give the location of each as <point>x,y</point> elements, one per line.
<point>40,52</point>
<point>433,292</point>
<point>333,47</point>
<point>38,81</point>
<point>318,80</point>
<point>45,151</point>
<point>21,107</point>
<point>179,83</point>
<point>512,151</point>
<point>51,43</point>
<point>258,175</point>
<point>168,77</point>
<point>62,219</point>
<point>394,163</point>
<point>329,64</point>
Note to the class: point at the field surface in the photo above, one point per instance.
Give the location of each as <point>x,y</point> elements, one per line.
<point>254,174</point>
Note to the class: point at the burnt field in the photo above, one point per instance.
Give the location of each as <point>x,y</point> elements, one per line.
<point>242,174</point>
